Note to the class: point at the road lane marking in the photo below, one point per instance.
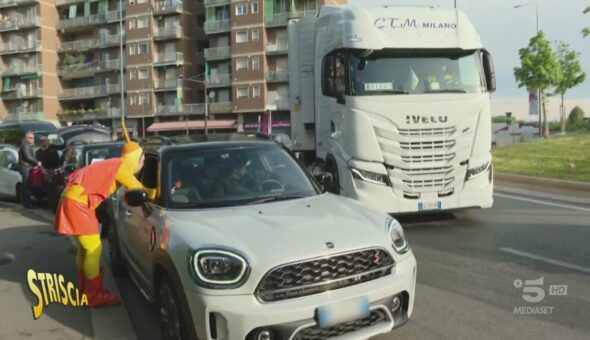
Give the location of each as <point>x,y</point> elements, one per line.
<point>546,260</point>
<point>531,200</point>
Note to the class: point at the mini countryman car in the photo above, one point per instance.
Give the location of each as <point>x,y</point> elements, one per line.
<point>241,242</point>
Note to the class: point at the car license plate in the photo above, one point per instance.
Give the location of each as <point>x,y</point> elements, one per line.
<point>431,205</point>
<point>330,315</point>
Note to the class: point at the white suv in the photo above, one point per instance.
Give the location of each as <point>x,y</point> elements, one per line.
<point>241,243</point>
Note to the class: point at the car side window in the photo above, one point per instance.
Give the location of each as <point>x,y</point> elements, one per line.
<point>149,173</point>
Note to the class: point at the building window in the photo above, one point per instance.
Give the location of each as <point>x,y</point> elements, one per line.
<point>256,63</point>
<point>254,6</point>
<point>144,99</point>
<point>131,24</point>
<point>241,64</point>
<point>142,23</point>
<point>143,73</point>
<point>142,48</point>
<point>131,49</point>
<point>255,35</point>
<point>132,100</point>
<point>242,92</point>
<point>132,74</point>
<point>256,91</point>
<point>241,37</point>
<point>241,8</point>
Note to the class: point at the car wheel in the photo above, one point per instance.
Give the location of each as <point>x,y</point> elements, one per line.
<point>117,262</point>
<point>332,168</point>
<point>171,318</point>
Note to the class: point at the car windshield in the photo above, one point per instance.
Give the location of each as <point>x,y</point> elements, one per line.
<point>402,72</point>
<point>101,153</point>
<point>238,176</point>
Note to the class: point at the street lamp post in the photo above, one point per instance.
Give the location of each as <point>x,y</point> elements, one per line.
<point>539,94</point>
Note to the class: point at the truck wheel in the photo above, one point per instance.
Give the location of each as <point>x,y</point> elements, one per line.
<point>171,318</point>
<point>332,168</point>
<point>117,261</point>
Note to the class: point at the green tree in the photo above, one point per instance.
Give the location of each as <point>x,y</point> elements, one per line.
<point>575,121</point>
<point>586,31</point>
<point>539,70</point>
<point>572,75</point>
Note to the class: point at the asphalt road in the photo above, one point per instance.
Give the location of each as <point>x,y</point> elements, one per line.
<point>468,263</point>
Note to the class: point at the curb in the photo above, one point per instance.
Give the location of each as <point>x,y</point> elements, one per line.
<point>582,187</point>
<point>107,323</point>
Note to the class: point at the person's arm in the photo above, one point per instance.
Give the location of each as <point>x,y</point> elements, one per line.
<point>126,178</point>
<point>26,153</point>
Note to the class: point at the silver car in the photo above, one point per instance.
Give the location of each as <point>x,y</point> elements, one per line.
<point>241,242</point>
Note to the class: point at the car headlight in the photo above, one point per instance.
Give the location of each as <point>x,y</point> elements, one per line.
<point>371,177</point>
<point>219,268</point>
<point>474,172</point>
<point>398,239</point>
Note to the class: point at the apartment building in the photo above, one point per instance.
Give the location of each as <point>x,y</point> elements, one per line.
<point>247,59</point>
<point>27,60</point>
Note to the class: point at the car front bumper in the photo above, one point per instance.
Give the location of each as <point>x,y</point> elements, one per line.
<point>241,316</point>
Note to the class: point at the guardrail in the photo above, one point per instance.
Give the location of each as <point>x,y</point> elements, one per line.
<point>167,84</point>
<point>277,75</point>
<point>220,107</point>
<point>281,47</point>
<point>281,19</point>
<point>20,47</point>
<point>9,23</point>
<point>173,32</point>
<point>15,3</point>
<point>27,93</point>
<point>218,53</point>
<point>23,69</point>
<point>180,110</point>
<point>87,44</point>
<point>217,26</point>
<point>218,80</point>
<point>84,92</point>
<point>168,6</point>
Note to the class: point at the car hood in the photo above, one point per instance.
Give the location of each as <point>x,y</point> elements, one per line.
<point>271,234</point>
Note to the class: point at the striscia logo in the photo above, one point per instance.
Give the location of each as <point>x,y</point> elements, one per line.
<point>416,119</point>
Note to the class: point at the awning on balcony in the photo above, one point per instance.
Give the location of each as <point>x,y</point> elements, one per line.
<point>193,125</point>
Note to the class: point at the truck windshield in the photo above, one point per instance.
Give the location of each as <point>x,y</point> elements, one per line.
<point>415,72</point>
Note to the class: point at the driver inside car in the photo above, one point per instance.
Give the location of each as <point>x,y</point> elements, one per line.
<point>234,183</point>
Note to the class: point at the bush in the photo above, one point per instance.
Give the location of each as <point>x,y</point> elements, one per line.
<point>502,119</point>
<point>575,120</point>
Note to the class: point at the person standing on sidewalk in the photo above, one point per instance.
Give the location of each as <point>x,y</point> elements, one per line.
<point>85,190</point>
<point>26,161</point>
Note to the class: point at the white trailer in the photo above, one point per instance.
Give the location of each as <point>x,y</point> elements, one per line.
<point>395,103</point>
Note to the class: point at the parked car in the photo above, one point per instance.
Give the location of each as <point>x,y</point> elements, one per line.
<point>10,178</point>
<point>241,242</point>
<point>65,136</point>
<point>13,132</point>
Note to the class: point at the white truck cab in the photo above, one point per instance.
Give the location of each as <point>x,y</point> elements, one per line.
<point>395,101</point>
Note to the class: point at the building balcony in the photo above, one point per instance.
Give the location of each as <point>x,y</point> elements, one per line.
<point>217,2</point>
<point>220,107</point>
<point>167,85</point>
<point>87,69</point>
<point>218,53</point>
<point>281,104</point>
<point>90,20</point>
<point>15,3</point>
<point>89,44</point>
<point>24,116</point>
<point>169,58</point>
<point>24,47</point>
<point>281,19</point>
<point>67,2</point>
<point>168,33</point>
<point>89,114</point>
<point>15,94</point>
<point>218,80</point>
<point>13,24</point>
<point>217,26</point>
<point>167,7</point>
<point>277,48</point>
<point>180,110</point>
<point>274,76</point>
<point>21,70</point>
<point>84,93</point>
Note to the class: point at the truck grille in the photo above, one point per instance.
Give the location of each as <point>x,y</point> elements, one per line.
<point>317,333</point>
<point>427,145</point>
<point>322,274</point>
<point>421,133</point>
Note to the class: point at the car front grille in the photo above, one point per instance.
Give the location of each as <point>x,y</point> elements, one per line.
<point>317,333</point>
<point>322,274</point>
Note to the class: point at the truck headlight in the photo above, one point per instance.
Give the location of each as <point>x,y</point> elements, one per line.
<point>398,239</point>
<point>474,172</point>
<point>371,177</point>
<point>219,268</point>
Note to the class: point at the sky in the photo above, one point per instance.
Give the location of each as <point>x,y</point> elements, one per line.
<point>504,30</point>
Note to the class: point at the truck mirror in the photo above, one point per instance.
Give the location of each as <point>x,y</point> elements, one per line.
<point>490,72</point>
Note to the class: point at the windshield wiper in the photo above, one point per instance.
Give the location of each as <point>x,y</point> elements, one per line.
<point>446,91</point>
<point>387,92</point>
<point>276,198</point>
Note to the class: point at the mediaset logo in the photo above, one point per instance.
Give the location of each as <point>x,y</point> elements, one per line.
<point>533,291</point>
<point>52,288</point>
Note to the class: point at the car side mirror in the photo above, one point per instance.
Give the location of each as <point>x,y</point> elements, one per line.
<point>325,179</point>
<point>136,198</point>
<point>489,70</point>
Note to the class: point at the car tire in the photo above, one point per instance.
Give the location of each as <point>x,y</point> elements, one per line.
<point>332,168</point>
<point>172,320</point>
<point>118,264</point>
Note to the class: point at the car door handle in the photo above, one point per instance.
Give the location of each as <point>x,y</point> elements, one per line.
<point>128,213</point>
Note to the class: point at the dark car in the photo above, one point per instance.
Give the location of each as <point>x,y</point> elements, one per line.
<point>65,136</point>
<point>13,132</point>
<point>78,156</point>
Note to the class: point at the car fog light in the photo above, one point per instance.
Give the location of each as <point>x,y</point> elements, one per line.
<point>395,304</point>
<point>264,334</point>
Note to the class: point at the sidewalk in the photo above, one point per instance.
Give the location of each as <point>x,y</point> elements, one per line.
<point>27,241</point>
